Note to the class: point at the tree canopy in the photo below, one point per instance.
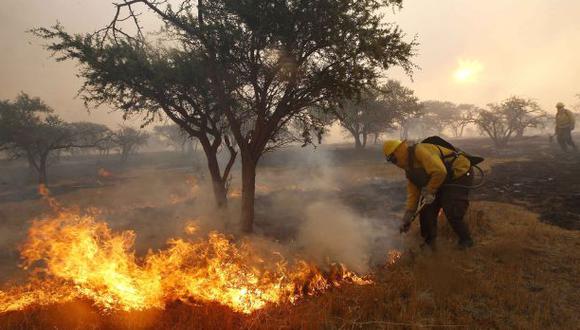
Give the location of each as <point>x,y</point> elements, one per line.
<point>128,140</point>
<point>510,118</point>
<point>30,129</point>
<point>442,115</point>
<point>258,64</point>
<point>376,111</point>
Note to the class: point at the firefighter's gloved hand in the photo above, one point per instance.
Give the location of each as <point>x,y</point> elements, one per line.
<point>427,196</point>
<point>407,221</point>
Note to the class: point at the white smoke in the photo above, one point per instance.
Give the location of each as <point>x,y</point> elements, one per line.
<point>333,233</point>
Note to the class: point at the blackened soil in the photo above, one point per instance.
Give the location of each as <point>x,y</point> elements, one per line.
<point>547,185</point>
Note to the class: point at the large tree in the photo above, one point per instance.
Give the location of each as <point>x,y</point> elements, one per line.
<point>495,124</point>
<point>509,118</point>
<point>29,129</point>
<point>376,111</point>
<point>128,141</point>
<point>465,116</point>
<point>361,117</point>
<point>401,101</point>
<point>265,62</point>
<point>523,113</point>
<point>140,79</point>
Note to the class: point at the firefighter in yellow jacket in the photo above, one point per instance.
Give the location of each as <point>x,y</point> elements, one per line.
<point>565,123</point>
<point>426,168</point>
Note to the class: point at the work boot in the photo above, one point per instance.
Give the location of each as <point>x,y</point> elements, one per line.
<point>465,244</point>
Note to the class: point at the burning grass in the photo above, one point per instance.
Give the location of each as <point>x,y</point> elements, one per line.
<point>73,256</point>
<point>521,274</point>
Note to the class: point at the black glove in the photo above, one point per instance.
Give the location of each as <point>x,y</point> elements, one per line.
<point>407,221</point>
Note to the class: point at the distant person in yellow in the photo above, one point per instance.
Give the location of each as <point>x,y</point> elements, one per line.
<point>429,169</point>
<point>565,123</point>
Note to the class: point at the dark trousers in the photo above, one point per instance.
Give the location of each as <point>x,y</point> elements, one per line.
<point>564,136</point>
<point>454,201</point>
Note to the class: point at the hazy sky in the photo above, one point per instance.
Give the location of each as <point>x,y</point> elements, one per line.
<point>527,48</point>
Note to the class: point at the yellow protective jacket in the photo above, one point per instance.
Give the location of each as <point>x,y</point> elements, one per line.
<point>565,119</point>
<point>428,157</point>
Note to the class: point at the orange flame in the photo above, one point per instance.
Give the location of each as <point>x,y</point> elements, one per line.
<point>235,193</point>
<point>104,173</point>
<point>74,256</point>
<point>393,257</point>
<point>190,227</point>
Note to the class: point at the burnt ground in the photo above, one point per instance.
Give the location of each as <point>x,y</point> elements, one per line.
<point>550,188</point>
<point>531,172</point>
<point>535,174</point>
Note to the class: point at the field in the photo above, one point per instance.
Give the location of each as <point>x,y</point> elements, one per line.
<point>331,203</point>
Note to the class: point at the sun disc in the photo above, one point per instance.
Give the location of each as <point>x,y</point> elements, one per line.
<point>468,71</point>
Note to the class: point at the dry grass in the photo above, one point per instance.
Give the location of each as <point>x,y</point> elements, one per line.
<point>521,274</point>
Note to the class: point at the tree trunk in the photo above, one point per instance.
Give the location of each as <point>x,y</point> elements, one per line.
<point>218,182</point>
<point>404,132</point>
<point>42,178</point>
<point>364,140</point>
<point>248,192</point>
<point>357,142</point>
<point>124,155</point>
<point>500,142</point>
<point>455,131</point>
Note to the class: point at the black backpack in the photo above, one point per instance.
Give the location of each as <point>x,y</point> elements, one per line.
<point>438,141</point>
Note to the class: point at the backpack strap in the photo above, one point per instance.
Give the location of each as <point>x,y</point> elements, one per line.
<point>411,153</point>
<point>449,165</point>
<point>444,158</point>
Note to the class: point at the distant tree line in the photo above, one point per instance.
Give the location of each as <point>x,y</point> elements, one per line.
<point>30,130</point>
<point>392,106</point>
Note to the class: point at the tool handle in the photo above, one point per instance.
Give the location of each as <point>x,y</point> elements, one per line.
<point>419,208</point>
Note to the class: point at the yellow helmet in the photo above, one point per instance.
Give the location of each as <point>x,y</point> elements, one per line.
<point>560,105</point>
<point>390,146</point>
